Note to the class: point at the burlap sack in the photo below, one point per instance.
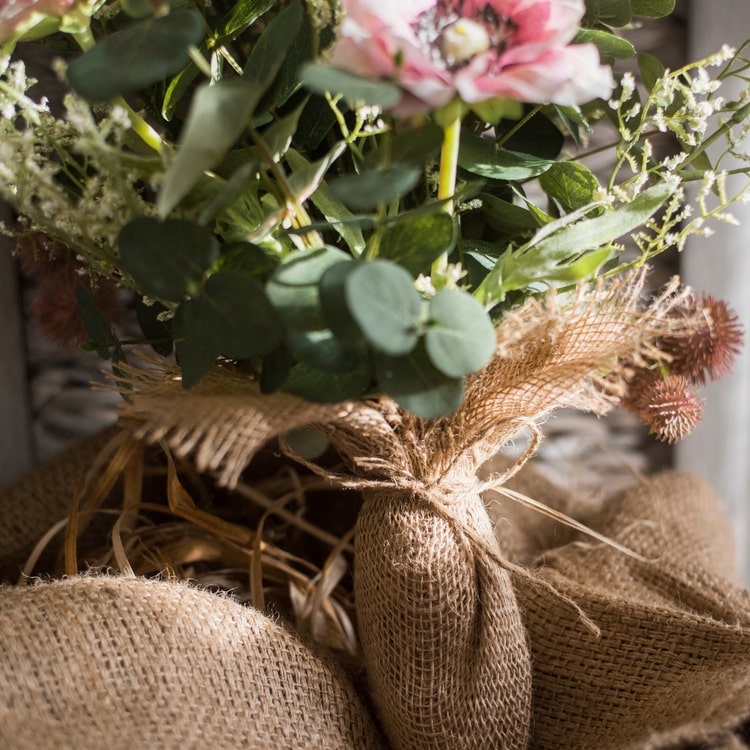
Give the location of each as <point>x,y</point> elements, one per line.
<point>669,664</point>
<point>106,662</point>
<point>35,503</point>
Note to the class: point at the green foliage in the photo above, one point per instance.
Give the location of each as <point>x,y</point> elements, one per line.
<point>326,80</point>
<point>167,260</point>
<point>383,301</point>
<point>142,54</point>
<point>417,385</point>
<point>287,220</point>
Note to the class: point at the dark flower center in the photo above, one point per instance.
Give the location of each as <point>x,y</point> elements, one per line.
<point>452,38</point>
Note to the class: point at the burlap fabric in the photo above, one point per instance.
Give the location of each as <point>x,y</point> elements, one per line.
<point>93,663</point>
<point>537,641</point>
<point>668,665</point>
<point>33,505</point>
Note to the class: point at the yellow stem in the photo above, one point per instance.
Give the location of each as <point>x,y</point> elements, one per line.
<point>447,176</point>
<point>140,127</point>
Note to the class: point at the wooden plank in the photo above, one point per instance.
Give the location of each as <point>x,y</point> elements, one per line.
<point>719,449</point>
<point>15,426</point>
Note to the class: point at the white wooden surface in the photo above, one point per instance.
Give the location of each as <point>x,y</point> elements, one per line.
<point>15,428</point>
<point>720,447</point>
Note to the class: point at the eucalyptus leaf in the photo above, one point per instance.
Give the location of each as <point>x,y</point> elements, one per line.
<point>410,145</point>
<point>275,369</point>
<point>329,387</point>
<point>417,243</point>
<point>97,326</point>
<point>270,51</point>
<point>382,299</point>
<point>248,258</point>
<point>334,306</point>
<point>372,187</point>
<point>158,332</point>
<point>232,190</point>
<point>294,286</point>
<point>218,116</point>
<point>615,13</point>
<point>610,45</point>
<point>137,56</point>
<point>651,70</point>
<point>242,15</point>
<point>417,385</point>
<point>324,351</point>
<point>305,181</point>
<point>168,259</point>
<point>507,218</point>
<point>480,156</point>
<point>278,136</point>
<point>232,317</point>
<point>652,8</point>
<point>287,81</point>
<point>571,184</point>
<point>460,338</point>
<point>323,79</point>
<point>539,136</point>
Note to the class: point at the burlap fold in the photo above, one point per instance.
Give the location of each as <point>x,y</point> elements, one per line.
<point>670,665</point>
<point>110,662</point>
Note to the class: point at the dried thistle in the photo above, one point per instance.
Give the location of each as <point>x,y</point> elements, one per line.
<point>666,403</point>
<point>709,350</point>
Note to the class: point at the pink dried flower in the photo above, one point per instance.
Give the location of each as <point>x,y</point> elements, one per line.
<point>478,51</point>
<point>55,307</point>
<point>709,351</point>
<point>667,404</point>
<point>20,18</point>
<point>39,254</point>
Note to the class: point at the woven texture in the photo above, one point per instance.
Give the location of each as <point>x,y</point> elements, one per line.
<point>531,637</point>
<point>670,664</point>
<point>43,497</point>
<point>91,663</point>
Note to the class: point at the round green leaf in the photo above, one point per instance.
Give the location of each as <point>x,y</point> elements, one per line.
<point>294,287</point>
<point>460,338</point>
<point>414,383</point>
<point>168,259</point>
<point>382,299</point>
<point>142,54</point>
<point>232,317</point>
<point>334,305</point>
<point>329,387</point>
<point>323,350</point>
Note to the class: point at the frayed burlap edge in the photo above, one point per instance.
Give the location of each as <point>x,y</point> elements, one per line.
<point>559,351</point>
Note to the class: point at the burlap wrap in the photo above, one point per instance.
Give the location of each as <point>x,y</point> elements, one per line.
<point>93,663</point>
<point>545,639</point>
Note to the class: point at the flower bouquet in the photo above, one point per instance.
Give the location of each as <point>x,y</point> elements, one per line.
<point>365,234</point>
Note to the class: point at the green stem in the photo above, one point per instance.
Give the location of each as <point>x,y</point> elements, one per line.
<point>507,136</point>
<point>140,127</point>
<point>447,176</point>
<point>449,162</point>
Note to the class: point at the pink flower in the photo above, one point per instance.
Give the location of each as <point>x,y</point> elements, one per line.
<point>18,18</point>
<point>496,49</point>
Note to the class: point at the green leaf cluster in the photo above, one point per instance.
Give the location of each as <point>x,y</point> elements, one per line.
<point>296,230</point>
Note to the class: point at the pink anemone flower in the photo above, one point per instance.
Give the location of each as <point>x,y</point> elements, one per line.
<point>476,50</point>
<point>20,17</point>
